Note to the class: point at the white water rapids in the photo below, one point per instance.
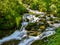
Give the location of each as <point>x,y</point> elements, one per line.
<point>20,34</point>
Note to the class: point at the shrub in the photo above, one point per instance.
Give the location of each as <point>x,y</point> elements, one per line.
<point>10,13</point>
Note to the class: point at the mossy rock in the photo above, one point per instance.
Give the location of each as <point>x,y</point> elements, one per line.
<point>33,33</point>
<point>31,26</point>
<point>42,27</point>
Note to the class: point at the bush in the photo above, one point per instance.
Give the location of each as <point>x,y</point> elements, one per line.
<point>10,12</point>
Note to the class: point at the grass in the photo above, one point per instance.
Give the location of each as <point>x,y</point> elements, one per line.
<point>55,40</point>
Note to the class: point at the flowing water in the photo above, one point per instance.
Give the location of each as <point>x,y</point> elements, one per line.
<point>22,33</point>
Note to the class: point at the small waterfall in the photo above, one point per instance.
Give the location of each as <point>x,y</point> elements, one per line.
<point>20,34</point>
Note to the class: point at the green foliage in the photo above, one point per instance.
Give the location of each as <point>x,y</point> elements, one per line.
<point>52,6</point>
<point>10,13</point>
<point>43,5</point>
<point>18,21</point>
<point>55,40</point>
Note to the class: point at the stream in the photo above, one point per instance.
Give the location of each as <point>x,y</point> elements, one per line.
<point>22,33</point>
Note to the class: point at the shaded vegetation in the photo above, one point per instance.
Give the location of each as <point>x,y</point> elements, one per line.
<point>10,14</point>
<point>4,33</point>
<point>12,42</point>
